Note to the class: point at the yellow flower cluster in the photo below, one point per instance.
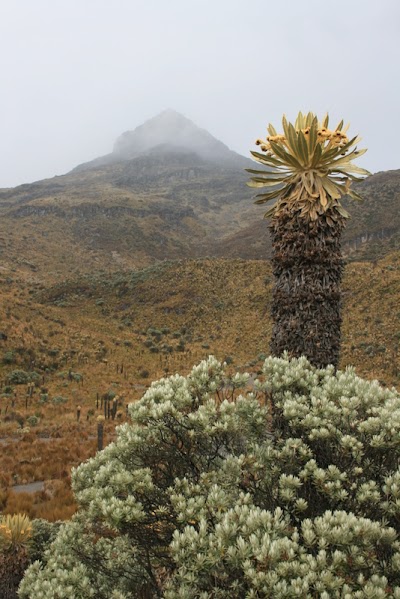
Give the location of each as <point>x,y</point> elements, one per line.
<point>338,138</point>
<point>334,138</point>
<point>4,530</point>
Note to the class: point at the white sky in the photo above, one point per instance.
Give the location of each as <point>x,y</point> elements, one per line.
<point>75,74</point>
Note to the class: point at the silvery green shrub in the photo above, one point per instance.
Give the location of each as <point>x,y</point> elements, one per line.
<point>224,487</point>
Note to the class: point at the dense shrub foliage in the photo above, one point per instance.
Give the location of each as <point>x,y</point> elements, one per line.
<point>20,377</point>
<point>224,487</point>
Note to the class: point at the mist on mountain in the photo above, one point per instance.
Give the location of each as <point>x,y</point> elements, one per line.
<point>168,133</point>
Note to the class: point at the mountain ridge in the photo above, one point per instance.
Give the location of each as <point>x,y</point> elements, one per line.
<point>165,202</point>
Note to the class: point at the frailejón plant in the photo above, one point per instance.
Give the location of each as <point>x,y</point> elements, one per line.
<point>309,168</point>
<point>15,535</point>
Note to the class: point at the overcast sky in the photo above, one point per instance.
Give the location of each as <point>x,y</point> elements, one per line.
<point>75,74</point>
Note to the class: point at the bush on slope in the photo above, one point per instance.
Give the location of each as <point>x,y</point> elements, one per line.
<point>288,487</point>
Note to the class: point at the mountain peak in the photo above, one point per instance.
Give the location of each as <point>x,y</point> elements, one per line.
<point>170,113</point>
<point>174,130</point>
<point>170,133</point>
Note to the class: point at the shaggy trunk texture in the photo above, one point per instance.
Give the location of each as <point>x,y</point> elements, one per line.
<point>13,564</point>
<point>306,303</point>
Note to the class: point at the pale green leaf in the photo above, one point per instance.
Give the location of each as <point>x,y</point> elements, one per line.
<point>303,147</point>
<point>312,137</point>
<point>263,183</point>
<point>269,160</point>
<point>317,156</point>
<point>299,123</point>
<point>347,158</point>
<point>285,126</point>
<point>285,156</point>
<point>329,155</point>
<point>309,119</point>
<point>353,168</point>
<point>331,188</point>
<point>269,173</point>
<point>266,197</point>
<point>340,126</point>
<point>291,138</point>
<point>342,211</point>
<point>354,195</point>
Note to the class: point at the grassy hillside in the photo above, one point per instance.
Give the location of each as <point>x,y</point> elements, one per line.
<point>372,232</point>
<point>127,215</point>
<point>163,206</point>
<point>105,335</point>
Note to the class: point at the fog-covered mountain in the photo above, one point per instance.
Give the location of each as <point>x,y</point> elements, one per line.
<point>168,132</point>
<point>169,190</point>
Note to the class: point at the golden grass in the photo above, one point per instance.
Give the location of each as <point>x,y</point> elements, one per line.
<point>119,333</point>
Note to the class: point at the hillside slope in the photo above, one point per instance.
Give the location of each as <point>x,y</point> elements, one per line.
<point>372,232</point>
<point>109,335</point>
<point>169,190</point>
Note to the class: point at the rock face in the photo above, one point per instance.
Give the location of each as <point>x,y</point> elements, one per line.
<point>169,133</point>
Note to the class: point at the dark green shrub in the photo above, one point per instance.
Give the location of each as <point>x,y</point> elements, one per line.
<point>18,377</point>
<point>43,534</point>
<point>59,399</point>
<point>9,357</point>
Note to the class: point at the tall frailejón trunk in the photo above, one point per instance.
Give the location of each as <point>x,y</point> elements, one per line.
<point>306,304</point>
<point>310,170</point>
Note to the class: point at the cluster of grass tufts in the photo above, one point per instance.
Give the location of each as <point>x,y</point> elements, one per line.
<point>163,340</point>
